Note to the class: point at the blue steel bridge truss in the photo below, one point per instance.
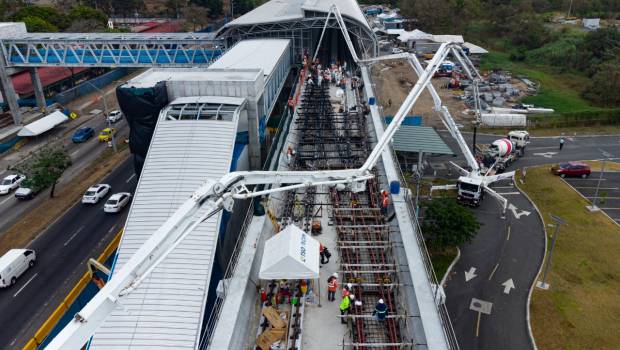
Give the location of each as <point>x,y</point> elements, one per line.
<point>112,49</point>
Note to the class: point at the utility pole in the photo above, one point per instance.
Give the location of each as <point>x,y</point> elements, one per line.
<point>570,7</point>
<point>105,114</point>
<point>558,222</point>
<point>594,207</point>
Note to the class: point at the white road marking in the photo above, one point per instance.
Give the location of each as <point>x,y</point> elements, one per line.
<point>610,208</point>
<point>74,153</point>
<point>604,197</point>
<point>25,284</point>
<point>508,193</point>
<point>546,154</point>
<point>493,272</point>
<point>130,178</point>
<point>470,274</point>
<point>112,228</point>
<point>508,285</point>
<point>6,200</point>
<point>512,208</point>
<point>73,235</point>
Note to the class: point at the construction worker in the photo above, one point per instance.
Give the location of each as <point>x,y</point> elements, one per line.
<point>345,304</point>
<point>332,286</point>
<point>380,311</point>
<point>385,201</point>
<point>324,254</point>
<point>561,143</point>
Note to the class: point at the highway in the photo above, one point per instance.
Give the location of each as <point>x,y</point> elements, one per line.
<point>62,250</point>
<point>82,155</point>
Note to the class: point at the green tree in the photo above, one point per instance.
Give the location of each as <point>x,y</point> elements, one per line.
<point>45,168</point>
<point>447,223</point>
<point>46,13</point>
<point>85,13</point>
<point>38,25</point>
<point>604,89</point>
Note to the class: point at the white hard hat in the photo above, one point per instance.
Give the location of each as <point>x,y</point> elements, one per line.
<point>349,285</point>
<point>335,274</point>
<point>380,301</point>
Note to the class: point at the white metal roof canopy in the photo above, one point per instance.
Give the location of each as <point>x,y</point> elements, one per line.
<point>44,124</point>
<point>290,254</point>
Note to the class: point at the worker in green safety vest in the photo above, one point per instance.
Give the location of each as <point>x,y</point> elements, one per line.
<point>345,304</point>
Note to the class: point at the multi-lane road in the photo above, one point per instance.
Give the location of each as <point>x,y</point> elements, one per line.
<point>82,156</point>
<point>62,251</point>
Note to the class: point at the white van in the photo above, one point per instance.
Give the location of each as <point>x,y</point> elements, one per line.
<point>13,264</point>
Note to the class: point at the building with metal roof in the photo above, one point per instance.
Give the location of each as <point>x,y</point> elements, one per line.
<point>416,139</point>
<point>302,21</point>
<point>167,310</point>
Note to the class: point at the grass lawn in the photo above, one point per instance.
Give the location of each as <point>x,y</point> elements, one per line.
<point>560,91</point>
<point>581,310</point>
<point>441,259</point>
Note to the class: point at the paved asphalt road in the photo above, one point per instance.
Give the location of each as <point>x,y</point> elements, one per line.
<point>505,252</point>
<point>545,150</point>
<point>62,250</point>
<point>516,257</point>
<point>608,194</point>
<point>82,155</point>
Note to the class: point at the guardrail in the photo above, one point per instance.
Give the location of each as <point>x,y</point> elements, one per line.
<point>41,335</point>
<point>426,259</point>
<point>230,269</point>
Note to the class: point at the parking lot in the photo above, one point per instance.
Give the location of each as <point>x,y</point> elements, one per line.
<point>608,198</point>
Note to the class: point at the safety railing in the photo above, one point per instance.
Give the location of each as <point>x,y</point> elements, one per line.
<point>428,266</point>
<point>230,270</point>
<point>426,259</point>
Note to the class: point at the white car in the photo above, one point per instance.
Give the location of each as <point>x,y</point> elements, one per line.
<point>115,116</point>
<point>95,193</point>
<point>10,183</point>
<point>117,202</point>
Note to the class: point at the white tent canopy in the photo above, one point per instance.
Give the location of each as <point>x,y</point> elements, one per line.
<point>44,124</point>
<point>290,254</point>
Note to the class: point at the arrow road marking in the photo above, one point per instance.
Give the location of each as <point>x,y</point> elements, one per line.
<point>470,274</point>
<point>519,214</point>
<point>508,285</point>
<point>546,154</point>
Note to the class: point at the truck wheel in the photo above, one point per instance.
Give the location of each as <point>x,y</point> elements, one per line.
<point>583,176</point>
<point>562,175</point>
<point>31,263</point>
<point>13,280</point>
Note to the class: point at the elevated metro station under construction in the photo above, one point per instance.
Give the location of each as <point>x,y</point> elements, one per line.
<point>196,121</point>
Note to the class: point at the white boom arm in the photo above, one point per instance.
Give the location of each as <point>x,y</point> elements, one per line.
<point>210,198</point>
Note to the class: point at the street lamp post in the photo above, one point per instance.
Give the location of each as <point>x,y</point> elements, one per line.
<point>594,207</point>
<point>558,222</point>
<point>105,113</point>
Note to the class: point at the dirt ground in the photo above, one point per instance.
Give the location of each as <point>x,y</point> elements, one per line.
<point>34,222</point>
<point>393,81</point>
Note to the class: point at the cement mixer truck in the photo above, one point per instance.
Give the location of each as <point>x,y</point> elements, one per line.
<point>501,153</point>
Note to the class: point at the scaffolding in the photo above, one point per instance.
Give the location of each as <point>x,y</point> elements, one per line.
<point>332,136</point>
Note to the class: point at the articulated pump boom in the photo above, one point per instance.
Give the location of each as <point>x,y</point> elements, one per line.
<point>213,196</point>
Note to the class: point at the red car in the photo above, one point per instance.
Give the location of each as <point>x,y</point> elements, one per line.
<point>572,169</point>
